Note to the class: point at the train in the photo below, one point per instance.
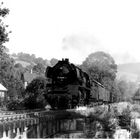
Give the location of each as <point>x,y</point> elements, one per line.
<point>68,87</point>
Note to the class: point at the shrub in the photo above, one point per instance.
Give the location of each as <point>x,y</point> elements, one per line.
<point>107,118</point>
<point>110,123</point>
<point>15,105</point>
<point>32,102</point>
<point>125,118</point>
<point>136,108</point>
<point>134,131</point>
<point>34,96</point>
<point>99,110</point>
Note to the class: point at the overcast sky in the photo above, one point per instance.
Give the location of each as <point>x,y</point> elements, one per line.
<point>75,28</point>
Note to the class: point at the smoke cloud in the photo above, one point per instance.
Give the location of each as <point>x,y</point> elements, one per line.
<point>82,44</point>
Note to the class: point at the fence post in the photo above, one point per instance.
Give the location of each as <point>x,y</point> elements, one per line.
<point>38,130</point>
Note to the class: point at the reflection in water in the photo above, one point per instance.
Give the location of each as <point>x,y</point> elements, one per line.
<point>89,128</point>
<point>82,128</point>
<point>73,128</point>
<point>59,128</point>
<point>56,129</point>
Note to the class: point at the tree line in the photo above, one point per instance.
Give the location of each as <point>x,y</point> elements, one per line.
<point>101,67</point>
<point>37,64</point>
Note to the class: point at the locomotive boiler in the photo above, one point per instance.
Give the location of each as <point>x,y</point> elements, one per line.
<point>68,86</point>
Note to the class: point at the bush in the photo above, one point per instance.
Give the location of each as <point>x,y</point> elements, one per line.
<point>136,108</point>
<point>34,97</point>
<point>110,123</point>
<point>125,118</point>
<point>134,131</point>
<point>15,105</point>
<point>107,118</point>
<point>32,102</point>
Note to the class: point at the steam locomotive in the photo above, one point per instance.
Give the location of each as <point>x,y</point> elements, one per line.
<point>68,86</point>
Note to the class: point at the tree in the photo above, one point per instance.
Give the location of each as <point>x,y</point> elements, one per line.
<point>101,67</point>
<point>127,89</point>
<point>3,33</point>
<point>116,94</point>
<point>39,68</point>
<point>26,57</point>
<point>39,60</point>
<point>8,76</point>
<point>53,61</point>
<point>19,72</point>
<point>132,88</point>
<point>122,85</point>
<point>28,68</point>
<point>11,78</point>
<point>18,66</point>
<point>34,93</point>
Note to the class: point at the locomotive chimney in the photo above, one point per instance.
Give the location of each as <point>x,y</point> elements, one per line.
<point>67,60</point>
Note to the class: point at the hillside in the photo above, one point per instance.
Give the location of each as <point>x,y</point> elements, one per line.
<point>129,71</point>
<point>27,59</point>
<point>22,62</point>
<point>130,68</point>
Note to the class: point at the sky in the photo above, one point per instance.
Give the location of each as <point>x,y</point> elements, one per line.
<point>75,28</point>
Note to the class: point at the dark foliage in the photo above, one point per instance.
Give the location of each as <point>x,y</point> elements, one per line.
<point>125,118</point>
<point>9,76</point>
<point>13,105</point>
<point>135,131</point>
<point>34,94</point>
<point>33,103</point>
<point>39,68</point>
<point>3,33</point>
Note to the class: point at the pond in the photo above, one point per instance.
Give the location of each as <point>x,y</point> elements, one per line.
<point>84,128</point>
<point>66,124</point>
<point>89,128</point>
<point>66,128</point>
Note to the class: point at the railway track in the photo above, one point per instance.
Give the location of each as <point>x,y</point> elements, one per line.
<point>17,115</point>
<point>28,114</point>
